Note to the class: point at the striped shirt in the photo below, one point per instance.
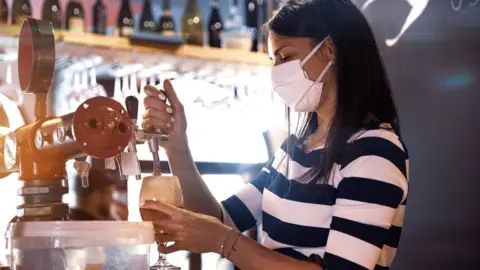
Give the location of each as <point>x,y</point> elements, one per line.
<point>353,222</point>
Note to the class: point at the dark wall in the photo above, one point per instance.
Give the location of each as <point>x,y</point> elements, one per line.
<point>435,73</point>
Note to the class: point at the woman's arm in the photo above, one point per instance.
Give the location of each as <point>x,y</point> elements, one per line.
<point>171,120</point>
<point>196,195</point>
<point>202,234</point>
<point>248,254</point>
<point>368,211</point>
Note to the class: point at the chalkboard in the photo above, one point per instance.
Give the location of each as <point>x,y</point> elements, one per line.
<point>434,68</point>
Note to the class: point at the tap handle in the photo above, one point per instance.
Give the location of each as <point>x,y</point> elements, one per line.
<point>83,169</point>
<point>131,103</point>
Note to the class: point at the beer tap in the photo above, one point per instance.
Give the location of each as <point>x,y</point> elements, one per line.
<point>131,102</point>
<point>100,127</point>
<point>83,169</point>
<point>153,145</point>
<point>152,137</point>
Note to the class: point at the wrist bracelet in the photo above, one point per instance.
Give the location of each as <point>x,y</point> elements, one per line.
<point>222,247</point>
<point>232,249</point>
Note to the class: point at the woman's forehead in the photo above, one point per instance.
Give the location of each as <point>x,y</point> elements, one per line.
<point>277,42</point>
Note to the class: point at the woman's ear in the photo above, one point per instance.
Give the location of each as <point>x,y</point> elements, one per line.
<point>330,50</point>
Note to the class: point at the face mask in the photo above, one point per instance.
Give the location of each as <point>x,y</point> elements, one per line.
<point>292,84</point>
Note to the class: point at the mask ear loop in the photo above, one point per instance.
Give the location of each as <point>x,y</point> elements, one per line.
<point>305,60</point>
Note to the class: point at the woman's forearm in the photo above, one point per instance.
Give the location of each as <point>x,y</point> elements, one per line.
<point>196,195</point>
<point>249,255</point>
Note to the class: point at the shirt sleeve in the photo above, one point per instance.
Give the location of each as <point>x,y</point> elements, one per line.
<point>373,186</point>
<point>244,209</point>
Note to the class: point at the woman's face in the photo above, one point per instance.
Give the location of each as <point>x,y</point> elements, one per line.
<point>284,49</point>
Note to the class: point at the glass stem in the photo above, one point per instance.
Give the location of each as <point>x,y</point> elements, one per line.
<point>162,256</point>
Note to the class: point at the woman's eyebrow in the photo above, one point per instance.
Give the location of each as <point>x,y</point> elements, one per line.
<point>276,52</point>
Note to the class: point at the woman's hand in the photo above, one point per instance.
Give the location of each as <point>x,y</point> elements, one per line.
<point>190,231</point>
<point>168,119</point>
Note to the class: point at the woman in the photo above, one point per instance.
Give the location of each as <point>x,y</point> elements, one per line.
<point>334,195</point>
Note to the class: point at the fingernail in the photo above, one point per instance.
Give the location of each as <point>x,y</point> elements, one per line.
<point>173,119</point>
<point>162,96</point>
<point>169,125</point>
<point>169,110</point>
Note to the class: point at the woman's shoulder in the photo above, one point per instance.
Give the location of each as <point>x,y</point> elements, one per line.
<point>376,154</point>
<point>378,137</point>
<point>377,146</point>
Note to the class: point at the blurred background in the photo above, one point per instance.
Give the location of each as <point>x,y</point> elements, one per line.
<point>216,57</point>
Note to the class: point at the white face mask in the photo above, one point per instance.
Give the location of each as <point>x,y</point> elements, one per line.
<point>292,84</point>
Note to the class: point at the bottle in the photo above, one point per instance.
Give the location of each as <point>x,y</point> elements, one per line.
<point>147,24</point>
<point>262,18</point>
<point>125,19</point>
<point>51,11</point>
<point>3,11</point>
<point>251,11</point>
<point>215,26</point>
<point>234,19</point>
<point>192,29</point>
<point>276,7</point>
<point>75,17</point>
<point>100,18</point>
<point>166,24</point>
<point>21,10</point>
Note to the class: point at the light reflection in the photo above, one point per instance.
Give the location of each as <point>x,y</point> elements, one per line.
<point>459,80</point>
<point>418,7</point>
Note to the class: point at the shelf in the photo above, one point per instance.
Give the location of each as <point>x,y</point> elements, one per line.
<point>122,43</point>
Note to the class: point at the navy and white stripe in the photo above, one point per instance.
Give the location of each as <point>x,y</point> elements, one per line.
<point>354,222</point>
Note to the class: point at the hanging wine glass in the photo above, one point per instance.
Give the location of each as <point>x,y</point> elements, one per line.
<point>9,57</point>
<point>85,91</point>
<point>117,90</point>
<point>95,88</point>
<point>73,98</point>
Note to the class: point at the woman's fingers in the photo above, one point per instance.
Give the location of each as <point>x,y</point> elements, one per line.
<point>170,249</point>
<point>170,210</point>
<point>171,95</point>
<point>153,91</point>
<point>171,236</point>
<point>163,238</point>
<point>167,226</point>
<point>161,115</point>
<point>158,125</point>
<point>155,103</point>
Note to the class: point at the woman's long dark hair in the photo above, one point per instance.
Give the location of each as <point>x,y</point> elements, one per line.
<point>363,88</point>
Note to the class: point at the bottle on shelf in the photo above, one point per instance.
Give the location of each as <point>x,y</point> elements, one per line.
<point>125,19</point>
<point>21,10</point>
<point>166,24</point>
<point>276,7</point>
<point>215,25</point>
<point>234,19</point>
<point>147,24</point>
<point>51,11</point>
<point>192,29</point>
<point>3,12</point>
<point>75,21</point>
<point>251,11</point>
<point>263,16</point>
<point>100,12</point>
